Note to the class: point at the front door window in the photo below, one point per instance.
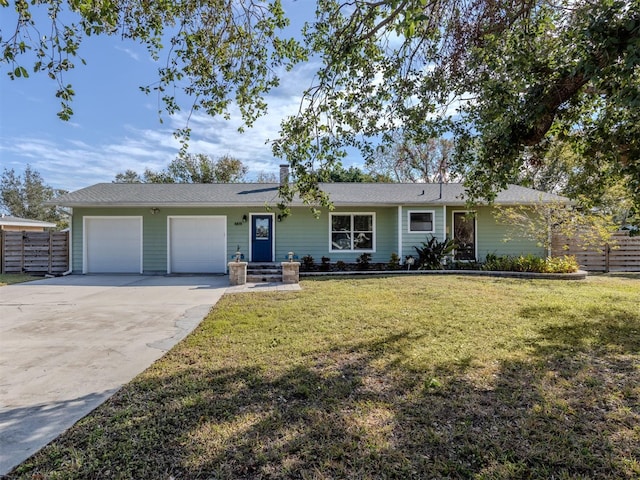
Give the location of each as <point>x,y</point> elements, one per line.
<point>262,229</point>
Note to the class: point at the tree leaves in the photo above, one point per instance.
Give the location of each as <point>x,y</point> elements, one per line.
<point>501,78</point>
<point>198,168</point>
<point>218,52</point>
<point>24,195</point>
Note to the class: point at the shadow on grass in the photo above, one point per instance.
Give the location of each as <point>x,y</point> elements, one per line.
<point>567,411</point>
<point>24,430</point>
<point>595,327</point>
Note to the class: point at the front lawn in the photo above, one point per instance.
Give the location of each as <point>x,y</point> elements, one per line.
<point>10,278</point>
<point>403,377</point>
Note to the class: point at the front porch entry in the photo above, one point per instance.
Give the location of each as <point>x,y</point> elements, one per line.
<point>262,237</point>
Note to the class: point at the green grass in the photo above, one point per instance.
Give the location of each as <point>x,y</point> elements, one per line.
<point>10,278</point>
<point>412,377</point>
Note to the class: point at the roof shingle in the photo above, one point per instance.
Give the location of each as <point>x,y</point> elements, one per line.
<point>259,194</point>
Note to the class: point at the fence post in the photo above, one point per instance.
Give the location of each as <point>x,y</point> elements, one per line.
<point>2,251</point>
<point>607,252</point>
<point>24,240</point>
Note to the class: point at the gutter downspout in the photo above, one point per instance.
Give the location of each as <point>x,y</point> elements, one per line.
<point>400,232</point>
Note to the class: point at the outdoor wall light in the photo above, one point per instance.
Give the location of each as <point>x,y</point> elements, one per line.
<point>154,210</point>
<point>280,217</point>
<point>244,219</point>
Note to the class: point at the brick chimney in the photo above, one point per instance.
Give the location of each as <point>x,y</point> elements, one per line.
<point>284,174</point>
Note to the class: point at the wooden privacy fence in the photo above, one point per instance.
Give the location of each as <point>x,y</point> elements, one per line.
<point>34,252</point>
<point>621,255</point>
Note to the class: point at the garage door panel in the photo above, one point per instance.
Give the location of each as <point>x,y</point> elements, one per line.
<point>197,244</point>
<point>113,245</point>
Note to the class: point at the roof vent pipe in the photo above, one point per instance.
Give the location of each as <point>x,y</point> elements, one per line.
<point>284,174</point>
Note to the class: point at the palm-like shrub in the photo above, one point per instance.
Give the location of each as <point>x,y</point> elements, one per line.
<point>433,252</point>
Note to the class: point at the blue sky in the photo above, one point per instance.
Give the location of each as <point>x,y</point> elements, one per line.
<point>115,126</point>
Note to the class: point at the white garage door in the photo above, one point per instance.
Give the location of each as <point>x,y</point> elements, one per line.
<point>113,245</point>
<point>197,244</point>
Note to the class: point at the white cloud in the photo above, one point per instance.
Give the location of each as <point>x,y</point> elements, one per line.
<point>217,136</point>
<point>131,53</point>
<point>72,162</point>
<point>119,140</point>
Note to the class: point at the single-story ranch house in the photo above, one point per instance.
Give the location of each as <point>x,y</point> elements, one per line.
<point>197,228</point>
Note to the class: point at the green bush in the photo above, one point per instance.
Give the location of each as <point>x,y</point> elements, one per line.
<point>433,252</point>
<point>531,263</point>
<point>564,264</point>
<point>394,262</point>
<point>363,261</point>
<point>307,262</point>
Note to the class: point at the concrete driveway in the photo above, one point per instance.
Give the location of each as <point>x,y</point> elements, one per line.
<point>68,343</point>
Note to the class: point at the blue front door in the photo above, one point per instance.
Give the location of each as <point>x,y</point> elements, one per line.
<point>261,238</point>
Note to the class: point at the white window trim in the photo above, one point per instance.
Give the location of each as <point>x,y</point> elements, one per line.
<point>352,250</point>
<point>433,221</point>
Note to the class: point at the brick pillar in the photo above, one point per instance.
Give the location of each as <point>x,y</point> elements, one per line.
<point>237,273</point>
<point>290,272</point>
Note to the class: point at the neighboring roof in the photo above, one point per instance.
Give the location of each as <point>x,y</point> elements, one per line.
<point>23,222</point>
<point>259,194</point>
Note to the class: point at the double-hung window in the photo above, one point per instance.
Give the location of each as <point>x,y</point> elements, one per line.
<point>352,232</point>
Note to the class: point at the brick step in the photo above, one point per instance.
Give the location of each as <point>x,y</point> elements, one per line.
<point>264,272</point>
<point>263,266</point>
<point>254,278</point>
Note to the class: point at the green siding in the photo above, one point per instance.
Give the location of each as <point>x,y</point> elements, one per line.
<point>76,240</point>
<point>154,242</point>
<point>154,231</point>
<point>305,234</point>
<point>492,236</point>
<point>415,239</point>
